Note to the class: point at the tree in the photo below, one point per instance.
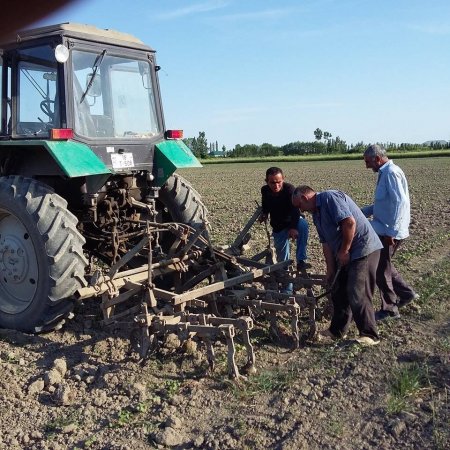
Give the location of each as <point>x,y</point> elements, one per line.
<point>327,135</point>
<point>318,133</point>
<point>200,145</point>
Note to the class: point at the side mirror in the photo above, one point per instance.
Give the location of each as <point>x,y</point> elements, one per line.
<point>96,86</point>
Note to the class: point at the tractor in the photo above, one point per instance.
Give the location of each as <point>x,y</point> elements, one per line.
<point>91,206</point>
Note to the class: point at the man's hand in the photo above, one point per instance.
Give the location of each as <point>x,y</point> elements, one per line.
<point>388,240</point>
<point>343,257</point>
<point>293,234</point>
<point>262,218</point>
<point>330,276</point>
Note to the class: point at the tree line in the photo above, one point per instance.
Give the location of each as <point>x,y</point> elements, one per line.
<point>324,143</point>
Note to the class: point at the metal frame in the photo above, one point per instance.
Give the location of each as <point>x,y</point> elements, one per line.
<point>209,303</point>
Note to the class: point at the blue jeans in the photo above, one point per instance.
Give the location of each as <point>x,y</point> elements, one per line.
<point>281,242</point>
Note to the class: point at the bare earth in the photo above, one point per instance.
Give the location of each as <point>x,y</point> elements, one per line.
<point>82,387</point>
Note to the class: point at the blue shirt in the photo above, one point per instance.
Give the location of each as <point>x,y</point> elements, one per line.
<point>391,207</point>
<point>332,208</point>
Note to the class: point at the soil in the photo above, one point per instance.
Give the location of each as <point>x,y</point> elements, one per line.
<point>83,387</point>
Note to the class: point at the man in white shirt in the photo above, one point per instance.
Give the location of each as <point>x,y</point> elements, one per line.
<point>390,219</point>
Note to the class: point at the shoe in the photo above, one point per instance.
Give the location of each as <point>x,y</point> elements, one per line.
<point>328,334</point>
<point>367,341</point>
<point>401,303</point>
<point>302,265</point>
<point>383,315</point>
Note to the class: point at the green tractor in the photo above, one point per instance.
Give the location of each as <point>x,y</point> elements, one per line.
<point>85,164</point>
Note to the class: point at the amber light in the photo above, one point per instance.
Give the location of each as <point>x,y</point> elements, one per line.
<point>61,133</point>
<point>174,134</point>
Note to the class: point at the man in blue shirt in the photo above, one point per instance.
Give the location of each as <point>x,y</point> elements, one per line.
<point>348,242</point>
<point>390,219</point>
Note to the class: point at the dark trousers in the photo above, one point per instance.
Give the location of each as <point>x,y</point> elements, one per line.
<point>355,287</point>
<point>389,281</point>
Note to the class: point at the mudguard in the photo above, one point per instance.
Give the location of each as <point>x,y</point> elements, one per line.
<point>171,155</point>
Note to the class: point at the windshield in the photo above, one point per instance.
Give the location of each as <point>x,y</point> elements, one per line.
<point>113,96</point>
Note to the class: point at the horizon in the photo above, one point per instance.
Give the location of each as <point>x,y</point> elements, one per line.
<point>253,73</point>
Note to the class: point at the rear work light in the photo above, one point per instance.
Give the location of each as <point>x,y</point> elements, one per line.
<point>174,134</point>
<point>61,133</point>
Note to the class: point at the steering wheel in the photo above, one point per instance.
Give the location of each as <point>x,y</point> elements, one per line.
<point>46,108</point>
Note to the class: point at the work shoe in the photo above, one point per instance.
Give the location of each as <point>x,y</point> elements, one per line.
<point>367,341</point>
<point>328,334</point>
<point>303,265</point>
<point>383,315</point>
<point>401,303</point>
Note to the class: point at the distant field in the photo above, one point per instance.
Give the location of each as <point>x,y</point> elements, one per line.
<point>230,191</point>
<point>331,157</point>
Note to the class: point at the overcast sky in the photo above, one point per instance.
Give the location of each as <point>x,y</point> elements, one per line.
<point>255,71</point>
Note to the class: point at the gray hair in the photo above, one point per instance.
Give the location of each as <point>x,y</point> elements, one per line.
<point>374,150</point>
<point>301,190</point>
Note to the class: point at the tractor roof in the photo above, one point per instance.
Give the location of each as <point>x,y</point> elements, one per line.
<point>88,32</point>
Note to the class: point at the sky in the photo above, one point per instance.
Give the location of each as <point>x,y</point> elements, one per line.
<point>272,71</point>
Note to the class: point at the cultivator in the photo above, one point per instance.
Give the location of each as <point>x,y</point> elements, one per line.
<point>215,292</point>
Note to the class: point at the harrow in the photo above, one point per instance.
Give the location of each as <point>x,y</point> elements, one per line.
<point>212,287</point>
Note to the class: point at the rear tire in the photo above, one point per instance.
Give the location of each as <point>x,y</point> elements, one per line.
<point>182,202</point>
<point>41,256</point>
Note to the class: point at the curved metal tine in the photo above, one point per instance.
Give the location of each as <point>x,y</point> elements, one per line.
<point>295,331</point>
<point>210,354</point>
<point>233,371</point>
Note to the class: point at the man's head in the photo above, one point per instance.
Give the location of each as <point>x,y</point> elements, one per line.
<point>275,179</point>
<point>375,156</point>
<point>304,198</point>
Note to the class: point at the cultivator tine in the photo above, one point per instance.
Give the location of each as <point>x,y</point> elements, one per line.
<point>295,332</point>
<point>233,371</point>
<point>210,355</point>
<point>269,307</point>
<point>206,327</point>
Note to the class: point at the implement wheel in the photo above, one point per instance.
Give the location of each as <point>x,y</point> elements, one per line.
<point>41,256</point>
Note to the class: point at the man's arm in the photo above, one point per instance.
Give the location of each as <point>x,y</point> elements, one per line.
<point>367,210</point>
<point>348,227</point>
<point>330,261</point>
<point>264,206</point>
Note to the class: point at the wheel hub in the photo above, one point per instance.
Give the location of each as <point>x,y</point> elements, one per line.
<point>13,260</point>
<point>18,265</point>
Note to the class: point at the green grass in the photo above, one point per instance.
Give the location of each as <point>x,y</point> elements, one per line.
<point>406,381</point>
<point>434,292</point>
<point>64,420</point>
<point>422,248</point>
<point>266,382</point>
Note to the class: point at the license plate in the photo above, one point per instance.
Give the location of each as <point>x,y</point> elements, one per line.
<point>122,160</point>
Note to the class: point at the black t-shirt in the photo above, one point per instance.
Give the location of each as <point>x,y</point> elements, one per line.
<point>279,207</point>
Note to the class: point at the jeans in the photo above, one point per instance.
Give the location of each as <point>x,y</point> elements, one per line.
<point>281,242</point>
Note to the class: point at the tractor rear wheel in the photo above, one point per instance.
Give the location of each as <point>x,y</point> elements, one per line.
<point>182,203</point>
<point>41,256</point>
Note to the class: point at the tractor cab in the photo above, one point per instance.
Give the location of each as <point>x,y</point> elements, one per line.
<point>97,87</point>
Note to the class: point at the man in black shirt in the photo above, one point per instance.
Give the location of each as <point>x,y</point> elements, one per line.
<point>285,220</point>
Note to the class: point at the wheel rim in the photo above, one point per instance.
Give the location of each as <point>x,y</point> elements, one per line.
<point>18,265</point>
